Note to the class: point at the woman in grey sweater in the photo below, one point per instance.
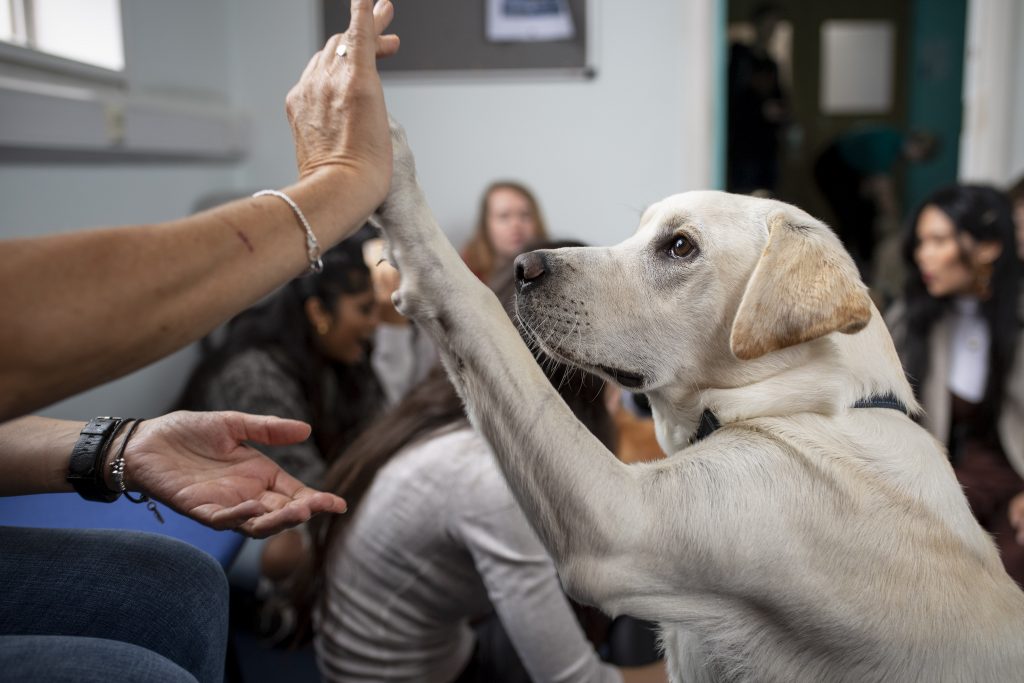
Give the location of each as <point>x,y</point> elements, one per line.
<point>302,354</point>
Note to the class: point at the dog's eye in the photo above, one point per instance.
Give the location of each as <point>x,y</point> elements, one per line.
<point>680,247</point>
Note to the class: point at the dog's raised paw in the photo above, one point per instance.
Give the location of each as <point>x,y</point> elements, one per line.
<point>402,158</point>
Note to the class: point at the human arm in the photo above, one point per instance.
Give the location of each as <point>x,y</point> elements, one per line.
<point>85,307</point>
<point>198,464</point>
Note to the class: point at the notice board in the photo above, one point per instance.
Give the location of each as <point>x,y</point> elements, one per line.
<point>450,36</point>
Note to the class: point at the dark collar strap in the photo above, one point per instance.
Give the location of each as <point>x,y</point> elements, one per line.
<point>882,401</point>
<point>709,423</point>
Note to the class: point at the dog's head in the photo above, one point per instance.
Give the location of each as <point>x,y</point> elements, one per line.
<point>708,283</point>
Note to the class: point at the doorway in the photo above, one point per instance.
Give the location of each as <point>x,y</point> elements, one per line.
<point>844,65</point>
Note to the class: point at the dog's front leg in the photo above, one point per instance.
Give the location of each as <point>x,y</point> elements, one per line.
<point>563,477</point>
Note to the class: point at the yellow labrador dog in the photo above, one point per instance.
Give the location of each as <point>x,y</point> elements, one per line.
<point>817,535</point>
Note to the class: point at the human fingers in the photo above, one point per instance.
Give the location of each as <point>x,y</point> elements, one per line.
<point>291,515</point>
<point>321,501</point>
<point>361,37</point>
<point>387,45</point>
<point>271,430</point>
<point>326,56</point>
<point>383,13</point>
<point>311,500</point>
<point>296,512</point>
<point>288,489</point>
<point>221,518</point>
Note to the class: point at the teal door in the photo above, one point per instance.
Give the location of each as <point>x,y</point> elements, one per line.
<point>935,104</point>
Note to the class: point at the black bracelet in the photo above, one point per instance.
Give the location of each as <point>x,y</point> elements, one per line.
<point>85,470</point>
<point>117,466</point>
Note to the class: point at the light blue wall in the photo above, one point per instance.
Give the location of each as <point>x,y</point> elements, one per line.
<point>176,51</point>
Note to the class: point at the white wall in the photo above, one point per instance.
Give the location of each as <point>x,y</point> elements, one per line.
<point>596,152</point>
<point>992,141</point>
<point>269,45</point>
<point>1017,89</point>
<point>175,51</point>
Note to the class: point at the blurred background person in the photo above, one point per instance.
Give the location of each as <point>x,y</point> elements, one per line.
<point>758,108</point>
<point>509,218</point>
<point>403,354</point>
<point>1016,195</point>
<point>855,175</point>
<point>302,354</point>
<point>958,331</point>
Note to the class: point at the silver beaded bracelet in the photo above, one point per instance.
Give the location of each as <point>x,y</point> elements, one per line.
<point>117,474</point>
<point>316,264</point>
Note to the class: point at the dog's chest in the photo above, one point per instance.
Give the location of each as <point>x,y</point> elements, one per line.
<point>685,657</point>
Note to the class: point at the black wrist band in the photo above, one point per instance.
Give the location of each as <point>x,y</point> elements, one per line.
<point>85,471</point>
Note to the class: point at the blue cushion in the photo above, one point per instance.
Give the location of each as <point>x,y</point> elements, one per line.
<point>70,511</point>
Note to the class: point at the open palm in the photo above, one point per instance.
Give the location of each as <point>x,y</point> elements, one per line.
<point>200,465</point>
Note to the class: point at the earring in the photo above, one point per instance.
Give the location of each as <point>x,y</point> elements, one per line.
<point>322,327</point>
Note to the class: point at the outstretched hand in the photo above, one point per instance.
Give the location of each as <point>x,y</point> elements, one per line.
<point>200,465</point>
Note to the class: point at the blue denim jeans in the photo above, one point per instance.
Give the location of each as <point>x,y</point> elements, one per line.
<point>90,605</point>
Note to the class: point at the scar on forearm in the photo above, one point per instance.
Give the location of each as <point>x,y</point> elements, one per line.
<point>232,225</point>
<point>245,240</point>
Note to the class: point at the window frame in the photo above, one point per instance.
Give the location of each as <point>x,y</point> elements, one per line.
<point>64,111</point>
<point>27,55</point>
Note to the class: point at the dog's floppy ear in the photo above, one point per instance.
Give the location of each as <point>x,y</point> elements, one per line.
<point>804,286</point>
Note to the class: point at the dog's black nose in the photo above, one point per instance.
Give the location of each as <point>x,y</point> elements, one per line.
<point>530,269</point>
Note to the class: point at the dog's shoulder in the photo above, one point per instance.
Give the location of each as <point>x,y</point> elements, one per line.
<point>746,458</point>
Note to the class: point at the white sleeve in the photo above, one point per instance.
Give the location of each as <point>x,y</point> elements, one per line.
<point>523,587</point>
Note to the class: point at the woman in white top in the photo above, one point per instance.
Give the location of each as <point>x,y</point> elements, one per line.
<point>958,331</point>
<point>434,543</point>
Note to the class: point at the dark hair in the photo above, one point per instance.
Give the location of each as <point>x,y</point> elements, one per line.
<point>984,213</point>
<point>427,410</point>
<point>1016,191</point>
<point>279,326</point>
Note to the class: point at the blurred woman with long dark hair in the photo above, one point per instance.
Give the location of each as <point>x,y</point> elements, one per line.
<point>303,354</point>
<point>958,331</point>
